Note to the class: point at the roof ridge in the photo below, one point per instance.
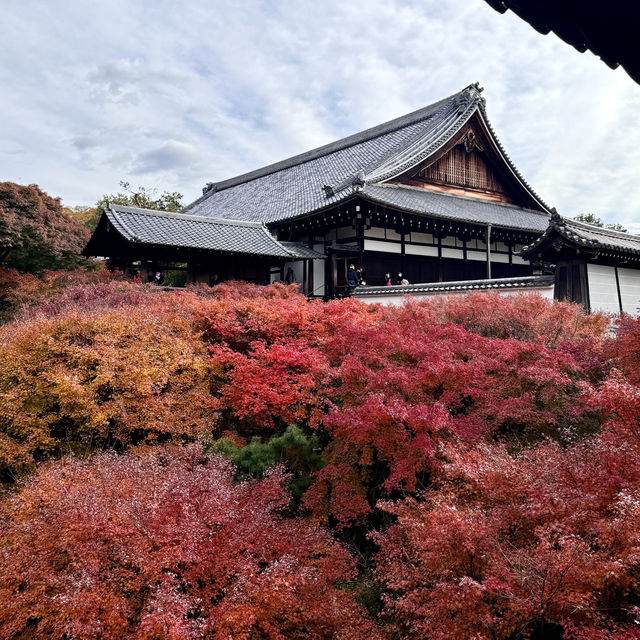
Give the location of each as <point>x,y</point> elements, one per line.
<point>389,126</point>
<point>182,216</point>
<point>487,283</point>
<point>512,166</point>
<point>410,155</point>
<point>594,228</point>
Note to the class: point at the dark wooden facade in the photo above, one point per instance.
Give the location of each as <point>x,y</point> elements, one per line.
<point>381,240</point>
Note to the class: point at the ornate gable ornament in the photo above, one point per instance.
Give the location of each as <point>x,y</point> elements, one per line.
<point>470,95</point>
<point>471,142</point>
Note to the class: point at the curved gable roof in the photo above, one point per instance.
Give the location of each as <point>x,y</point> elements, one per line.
<point>330,174</point>
<point>581,235</point>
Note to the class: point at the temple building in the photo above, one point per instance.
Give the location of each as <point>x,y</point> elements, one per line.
<point>431,195</point>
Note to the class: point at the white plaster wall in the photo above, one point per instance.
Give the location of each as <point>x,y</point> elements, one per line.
<point>603,290</point>
<point>417,236</point>
<point>318,273</point>
<point>377,245</point>
<point>452,253</point>
<point>374,232</point>
<point>394,298</point>
<point>420,250</point>
<point>476,255</point>
<point>297,270</point>
<point>630,290</point>
<point>450,241</point>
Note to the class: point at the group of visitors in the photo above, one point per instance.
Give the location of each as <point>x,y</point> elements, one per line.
<point>158,278</point>
<point>398,280</point>
<point>355,277</point>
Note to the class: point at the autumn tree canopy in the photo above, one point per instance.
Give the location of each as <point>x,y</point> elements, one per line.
<point>167,546</point>
<point>249,464</point>
<point>35,232</point>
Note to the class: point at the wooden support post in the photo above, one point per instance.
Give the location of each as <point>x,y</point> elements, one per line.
<point>331,277</point>
<point>191,273</point>
<point>489,252</point>
<point>305,283</point>
<point>144,270</point>
<point>617,287</point>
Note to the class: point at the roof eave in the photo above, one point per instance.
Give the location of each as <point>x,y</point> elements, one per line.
<point>508,163</point>
<point>374,200</point>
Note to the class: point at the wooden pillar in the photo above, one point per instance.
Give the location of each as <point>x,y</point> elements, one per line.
<point>618,288</point>
<point>191,272</point>
<point>305,283</point>
<point>489,251</point>
<point>144,270</point>
<point>360,224</point>
<point>331,275</point>
<point>312,284</point>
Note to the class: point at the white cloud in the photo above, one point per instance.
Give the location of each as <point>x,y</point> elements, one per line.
<point>172,155</point>
<point>179,95</point>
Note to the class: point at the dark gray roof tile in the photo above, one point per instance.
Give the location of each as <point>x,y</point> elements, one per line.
<point>497,284</point>
<point>586,235</point>
<point>323,177</point>
<point>451,207</point>
<point>301,251</point>
<point>144,226</point>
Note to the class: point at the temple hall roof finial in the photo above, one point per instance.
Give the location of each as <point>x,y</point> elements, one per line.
<point>555,216</point>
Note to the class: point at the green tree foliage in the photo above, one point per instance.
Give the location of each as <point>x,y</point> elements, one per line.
<point>591,218</point>
<point>141,197</point>
<point>297,450</point>
<point>36,233</point>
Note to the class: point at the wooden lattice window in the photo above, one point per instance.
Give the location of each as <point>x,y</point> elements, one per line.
<point>463,168</point>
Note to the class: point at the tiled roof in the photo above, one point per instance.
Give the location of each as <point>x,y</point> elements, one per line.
<point>325,176</point>
<point>526,282</point>
<point>451,207</point>
<point>144,226</point>
<point>586,235</point>
<point>301,251</point>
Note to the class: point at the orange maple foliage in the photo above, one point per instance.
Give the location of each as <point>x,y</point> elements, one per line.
<point>108,378</point>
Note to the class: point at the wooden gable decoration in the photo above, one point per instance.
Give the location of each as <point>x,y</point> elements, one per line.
<point>471,165</point>
<point>463,166</point>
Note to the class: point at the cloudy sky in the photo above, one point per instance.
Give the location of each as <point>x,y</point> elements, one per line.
<point>172,95</point>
